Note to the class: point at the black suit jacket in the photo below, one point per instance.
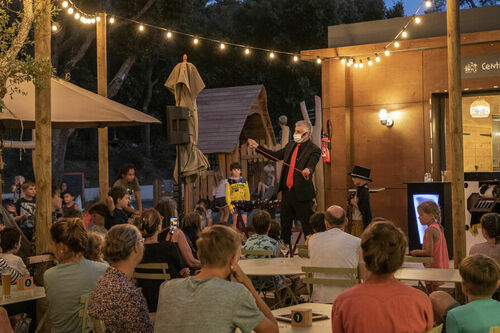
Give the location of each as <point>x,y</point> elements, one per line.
<point>363,195</point>
<point>307,157</point>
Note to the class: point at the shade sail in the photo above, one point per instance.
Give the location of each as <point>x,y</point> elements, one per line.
<point>72,107</point>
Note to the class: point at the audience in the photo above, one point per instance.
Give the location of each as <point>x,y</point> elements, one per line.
<point>56,204</point>
<point>69,208</point>
<point>17,187</point>
<point>219,194</point>
<point>95,244</point>
<point>490,225</point>
<point>117,201</point>
<point>11,243</point>
<point>382,303</point>
<point>128,180</point>
<point>274,231</point>
<point>99,213</point>
<point>334,248</point>
<point>317,223</point>
<point>25,210</point>
<point>167,209</point>
<point>219,305</point>
<point>429,214</point>
<point>5,269</point>
<point>149,224</point>
<point>191,226</point>
<point>203,208</point>
<point>480,278</point>
<point>260,240</point>
<point>115,299</point>
<point>73,277</point>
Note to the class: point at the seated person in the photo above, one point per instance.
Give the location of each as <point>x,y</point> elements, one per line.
<point>274,231</point>
<point>11,243</point>
<point>115,299</point>
<point>317,223</point>
<point>191,226</point>
<point>5,269</point>
<point>480,278</point>
<point>149,224</point>
<point>168,210</point>
<point>99,213</point>
<point>25,210</point>
<point>56,204</point>
<point>260,240</point>
<point>95,244</point>
<point>490,225</point>
<point>203,208</point>
<point>225,297</point>
<point>73,277</point>
<point>69,207</point>
<point>117,201</point>
<point>382,303</point>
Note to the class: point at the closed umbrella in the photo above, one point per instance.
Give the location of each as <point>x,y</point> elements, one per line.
<point>185,83</point>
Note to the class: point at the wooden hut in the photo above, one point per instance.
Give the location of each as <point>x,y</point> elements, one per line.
<point>227,118</point>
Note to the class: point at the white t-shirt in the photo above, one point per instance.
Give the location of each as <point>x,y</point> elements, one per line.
<point>332,248</point>
<point>220,191</point>
<point>15,262</point>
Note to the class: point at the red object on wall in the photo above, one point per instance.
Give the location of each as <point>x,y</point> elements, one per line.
<point>325,152</point>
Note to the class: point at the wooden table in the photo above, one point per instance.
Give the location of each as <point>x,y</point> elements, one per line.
<point>426,260</point>
<point>18,296</point>
<point>318,326</point>
<point>429,274</point>
<point>274,266</point>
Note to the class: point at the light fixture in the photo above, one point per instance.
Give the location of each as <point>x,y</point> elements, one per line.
<point>318,61</point>
<point>370,62</point>
<point>222,46</point>
<point>195,41</point>
<point>92,20</point>
<point>428,4</point>
<point>377,58</point>
<point>479,108</point>
<point>342,61</point>
<point>70,10</point>
<point>361,64</point>
<point>396,44</point>
<point>247,51</point>
<point>111,20</point>
<point>418,20</point>
<point>404,34</point>
<point>383,116</point>
<point>169,34</point>
<point>141,28</point>
<point>349,64</point>
<point>98,18</point>
<point>271,55</point>
<point>356,65</point>
<point>387,53</point>
<point>65,4</point>
<point>55,27</point>
<point>77,16</point>
<point>295,58</point>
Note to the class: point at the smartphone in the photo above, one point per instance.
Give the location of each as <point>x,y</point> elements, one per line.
<point>174,222</point>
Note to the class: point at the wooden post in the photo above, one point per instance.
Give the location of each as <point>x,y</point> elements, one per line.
<point>455,116</point>
<point>102,89</point>
<point>43,145</point>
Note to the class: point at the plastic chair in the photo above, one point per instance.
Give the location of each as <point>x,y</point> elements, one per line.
<point>350,280</point>
<point>160,274</point>
<point>84,312</point>
<point>436,329</point>
<point>98,325</point>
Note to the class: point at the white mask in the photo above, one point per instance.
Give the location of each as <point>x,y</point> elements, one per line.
<point>298,137</point>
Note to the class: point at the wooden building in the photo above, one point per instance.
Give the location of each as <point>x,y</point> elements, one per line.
<point>227,118</point>
<point>411,85</point>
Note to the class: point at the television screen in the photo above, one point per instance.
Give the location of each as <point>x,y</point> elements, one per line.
<point>417,200</point>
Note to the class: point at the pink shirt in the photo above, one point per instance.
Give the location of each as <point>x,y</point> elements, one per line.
<point>440,255</point>
<point>382,306</point>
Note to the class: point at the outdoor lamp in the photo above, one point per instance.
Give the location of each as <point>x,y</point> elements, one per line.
<point>479,108</point>
<point>383,116</point>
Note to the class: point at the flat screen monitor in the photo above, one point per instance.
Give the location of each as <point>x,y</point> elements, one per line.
<point>417,200</point>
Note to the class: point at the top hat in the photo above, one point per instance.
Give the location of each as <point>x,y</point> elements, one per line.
<point>360,172</point>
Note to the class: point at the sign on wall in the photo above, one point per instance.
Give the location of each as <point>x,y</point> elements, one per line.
<point>481,66</point>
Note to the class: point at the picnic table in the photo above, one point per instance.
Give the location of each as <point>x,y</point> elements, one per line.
<point>18,296</point>
<point>428,274</point>
<point>274,266</point>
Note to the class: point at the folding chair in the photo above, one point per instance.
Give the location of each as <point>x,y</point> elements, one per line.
<point>98,325</point>
<point>84,312</point>
<point>159,271</point>
<point>303,251</point>
<point>436,329</point>
<point>351,277</point>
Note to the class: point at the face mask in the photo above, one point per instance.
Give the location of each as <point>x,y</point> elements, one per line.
<point>298,137</point>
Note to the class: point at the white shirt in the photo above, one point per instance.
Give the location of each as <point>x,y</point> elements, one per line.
<point>15,262</point>
<point>332,248</point>
<point>220,191</point>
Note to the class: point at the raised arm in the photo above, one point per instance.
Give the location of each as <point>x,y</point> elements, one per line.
<point>279,154</point>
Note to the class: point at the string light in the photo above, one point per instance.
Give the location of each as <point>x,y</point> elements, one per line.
<point>111,20</point>
<point>295,58</point>
<point>361,64</point>
<point>169,35</point>
<point>195,41</point>
<point>65,4</point>
<point>318,61</point>
<point>70,11</point>
<point>396,44</point>
<point>418,20</point>
<point>370,62</point>
<point>222,46</point>
<point>98,18</point>
<point>387,53</point>
<point>356,65</point>
<point>54,27</point>
<point>271,55</point>
<point>342,61</point>
<point>141,28</point>
<point>428,4</point>
<point>404,34</point>
<point>349,64</point>
<point>377,58</point>
<point>77,16</point>
<point>247,51</point>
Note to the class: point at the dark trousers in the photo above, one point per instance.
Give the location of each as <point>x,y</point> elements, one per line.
<point>293,209</point>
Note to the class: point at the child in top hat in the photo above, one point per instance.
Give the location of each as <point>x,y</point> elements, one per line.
<point>359,201</point>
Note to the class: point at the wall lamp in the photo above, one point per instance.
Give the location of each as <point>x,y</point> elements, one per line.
<point>383,116</point>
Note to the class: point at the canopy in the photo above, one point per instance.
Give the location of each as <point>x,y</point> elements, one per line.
<point>72,107</point>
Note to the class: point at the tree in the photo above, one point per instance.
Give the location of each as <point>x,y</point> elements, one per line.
<point>440,5</point>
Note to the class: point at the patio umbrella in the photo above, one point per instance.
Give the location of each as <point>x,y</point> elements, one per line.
<point>185,83</point>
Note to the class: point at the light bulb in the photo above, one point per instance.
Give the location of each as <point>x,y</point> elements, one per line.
<point>351,61</point>
<point>111,20</point>
<point>418,20</point>
<point>361,65</point>
<point>342,61</point>
<point>98,18</point>
<point>370,62</point>
<point>318,61</point>
<point>141,28</point>
<point>82,19</point>
<point>77,16</point>
<point>93,20</point>
<point>65,4</point>
<point>387,53</point>
<point>404,34</point>
<point>349,64</point>
<point>356,65</point>
<point>295,58</point>
<point>54,27</point>
<point>396,44</point>
<point>247,51</point>
<point>169,34</point>
<point>222,46</point>
<point>70,10</point>
<point>377,58</point>
<point>428,4</point>
<point>195,41</point>
<point>271,55</point>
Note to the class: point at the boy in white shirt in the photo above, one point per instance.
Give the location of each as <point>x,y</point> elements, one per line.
<point>11,243</point>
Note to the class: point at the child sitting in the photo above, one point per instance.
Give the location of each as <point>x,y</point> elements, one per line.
<point>237,190</point>
<point>99,213</point>
<point>95,244</point>
<point>69,206</point>
<point>480,278</point>
<point>317,222</point>
<point>117,201</point>
<point>11,243</point>
<point>429,214</point>
<point>25,210</point>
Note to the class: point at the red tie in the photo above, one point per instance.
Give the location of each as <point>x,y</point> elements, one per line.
<point>291,169</point>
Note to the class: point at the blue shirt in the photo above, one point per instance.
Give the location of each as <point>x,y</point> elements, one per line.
<point>475,317</point>
<point>261,242</point>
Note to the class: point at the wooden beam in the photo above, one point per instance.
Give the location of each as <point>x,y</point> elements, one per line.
<point>102,89</point>
<point>455,116</point>
<point>43,150</point>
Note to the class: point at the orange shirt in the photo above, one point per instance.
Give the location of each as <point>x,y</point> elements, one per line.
<point>382,307</point>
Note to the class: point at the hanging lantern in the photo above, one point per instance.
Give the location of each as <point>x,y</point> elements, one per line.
<point>479,109</point>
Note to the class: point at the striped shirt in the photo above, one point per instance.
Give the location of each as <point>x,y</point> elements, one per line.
<point>5,269</point>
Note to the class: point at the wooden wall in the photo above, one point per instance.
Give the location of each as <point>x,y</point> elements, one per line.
<point>402,83</point>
